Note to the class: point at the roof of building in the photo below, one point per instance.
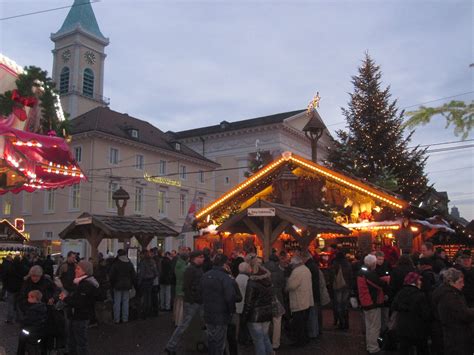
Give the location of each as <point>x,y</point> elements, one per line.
<point>122,125</point>
<point>300,217</point>
<point>231,126</point>
<point>118,226</point>
<point>81,14</point>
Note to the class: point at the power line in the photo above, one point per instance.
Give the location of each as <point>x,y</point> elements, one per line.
<point>420,104</point>
<point>49,10</point>
<point>449,148</point>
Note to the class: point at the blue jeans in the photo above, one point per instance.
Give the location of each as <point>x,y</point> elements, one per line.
<point>165,297</point>
<point>216,337</point>
<point>261,341</point>
<point>341,302</point>
<point>121,298</point>
<point>313,325</point>
<point>189,312</point>
<point>146,287</point>
<point>78,341</point>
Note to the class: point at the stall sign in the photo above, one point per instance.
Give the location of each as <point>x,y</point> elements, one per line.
<point>261,212</point>
<point>83,220</point>
<point>161,180</point>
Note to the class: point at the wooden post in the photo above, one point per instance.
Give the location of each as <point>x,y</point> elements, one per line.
<point>144,240</point>
<point>267,237</point>
<point>94,239</point>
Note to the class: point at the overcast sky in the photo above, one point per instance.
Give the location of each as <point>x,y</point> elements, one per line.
<point>186,64</point>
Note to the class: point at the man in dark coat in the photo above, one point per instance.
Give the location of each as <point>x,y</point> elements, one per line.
<point>455,317</point>
<point>219,295</point>
<point>192,298</point>
<point>314,311</point>
<point>80,306</point>
<point>464,264</point>
<point>66,272</point>
<point>166,279</point>
<point>122,278</point>
<point>12,283</point>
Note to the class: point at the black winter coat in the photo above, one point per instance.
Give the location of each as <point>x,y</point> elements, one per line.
<point>456,319</point>
<point>414,313</point>
<point>398,276</point>
<point>81,301</point>
<point>311,265</point>
<point>167,272</point>
<point>44,285</point>
<point>35,318</point>
<point>258,298</point>
<point>122,274</point>
<point>218,296</point>
<point>14,277</point>
<point>278,280</point>
<point>468,290</point>
<point>192,283</point>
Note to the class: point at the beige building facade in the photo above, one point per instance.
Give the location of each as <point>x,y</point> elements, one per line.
<point>233,145</point>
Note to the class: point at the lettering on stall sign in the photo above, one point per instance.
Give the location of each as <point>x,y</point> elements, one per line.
<point>83,220</point>
<point>161,180</point>
<point>261,212</point>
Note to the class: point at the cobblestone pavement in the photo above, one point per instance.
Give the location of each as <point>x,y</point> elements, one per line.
<point>149,337</point>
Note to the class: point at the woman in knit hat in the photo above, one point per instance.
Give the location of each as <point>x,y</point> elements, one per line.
<point>413,318</point>
<point>81,305</point>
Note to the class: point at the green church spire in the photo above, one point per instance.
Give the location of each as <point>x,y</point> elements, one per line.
<point>81,14</point>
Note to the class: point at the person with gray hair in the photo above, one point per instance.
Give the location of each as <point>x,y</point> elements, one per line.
<point>452,313</point>
<point>36,280</point>
<point>300,289</point>
<point>371,297</point>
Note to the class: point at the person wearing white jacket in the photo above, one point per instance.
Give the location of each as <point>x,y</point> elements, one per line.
<point>299,287</point>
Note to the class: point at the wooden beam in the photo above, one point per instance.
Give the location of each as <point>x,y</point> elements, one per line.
<point>278,230</point>
<point>267,237</point>
<point>253,227</point>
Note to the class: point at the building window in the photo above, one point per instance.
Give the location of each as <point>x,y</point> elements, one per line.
<point>161,202</point>
<point>88,83</point>
<point>134,133</point>
<point>7,207</point>
<point>201,176</point>
<point>227,180</point>
<point>48,235</point>
<point>177,146</point>
<point>139,162</point>
<point>49,201</point>
<point>162,167</point>
<point>113,186</point>
<point>64,81</point>
<point>78,153</point>
<point>182,204</point>
<point>114,156</point>
<point>138,200</point>
<point>199,203</point>
<point>182,172</point>
<point>74,197</point>
<point>27,201</point>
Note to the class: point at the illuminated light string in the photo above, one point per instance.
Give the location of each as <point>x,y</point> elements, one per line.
<point>28,144</point>
<point>285,157</point>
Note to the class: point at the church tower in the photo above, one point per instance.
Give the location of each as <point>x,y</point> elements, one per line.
<point>78,60</point>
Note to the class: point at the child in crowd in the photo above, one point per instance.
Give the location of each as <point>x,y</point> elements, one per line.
<point>33,323</point>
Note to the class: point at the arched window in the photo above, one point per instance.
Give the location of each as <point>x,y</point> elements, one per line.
<point>88,83</point>
<point>64,81</point>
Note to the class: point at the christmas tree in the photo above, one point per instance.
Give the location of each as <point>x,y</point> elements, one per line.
<point>375,147</point>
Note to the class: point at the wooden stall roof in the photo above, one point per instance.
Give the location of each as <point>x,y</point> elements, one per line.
<point>294,160</point>
<point>302,218</point>
<point>9,234</point>
<point>117,226</point>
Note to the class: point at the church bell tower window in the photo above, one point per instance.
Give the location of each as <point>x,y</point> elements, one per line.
<point>64,81</point>
<point>88,84</point>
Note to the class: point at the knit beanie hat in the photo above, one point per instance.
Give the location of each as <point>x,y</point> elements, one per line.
<point>86,266</point>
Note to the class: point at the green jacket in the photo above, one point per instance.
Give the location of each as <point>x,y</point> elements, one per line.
<point>179,273</point>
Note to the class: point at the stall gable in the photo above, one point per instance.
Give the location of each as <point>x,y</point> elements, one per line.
<point>246,193</point>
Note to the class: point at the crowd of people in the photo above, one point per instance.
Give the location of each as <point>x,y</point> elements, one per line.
<point>419,303</point>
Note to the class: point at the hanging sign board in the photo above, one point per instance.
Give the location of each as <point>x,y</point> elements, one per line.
<point>261,212</point>
<point>84,220</point>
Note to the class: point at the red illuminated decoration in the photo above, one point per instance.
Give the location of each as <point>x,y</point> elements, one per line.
<point>28,160</point>
<point>20,224</point>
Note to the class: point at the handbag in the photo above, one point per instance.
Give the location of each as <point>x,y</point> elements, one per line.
<point>323,290</point>
<point>277,308</point>
<point>339,282</point>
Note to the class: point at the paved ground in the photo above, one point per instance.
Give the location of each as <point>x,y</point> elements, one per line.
<point>150,336</point>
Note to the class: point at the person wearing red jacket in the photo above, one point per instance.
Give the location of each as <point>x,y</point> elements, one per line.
<point>371,297</point>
